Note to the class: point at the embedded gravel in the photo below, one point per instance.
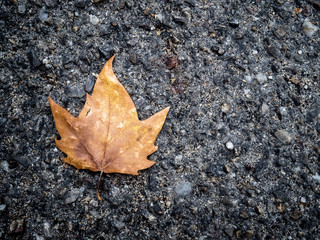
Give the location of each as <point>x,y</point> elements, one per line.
<point>239,154</point>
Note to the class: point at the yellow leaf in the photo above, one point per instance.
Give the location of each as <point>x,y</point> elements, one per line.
<point>107,136</point>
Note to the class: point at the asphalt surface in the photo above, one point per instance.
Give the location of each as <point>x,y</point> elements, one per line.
<point>238,155</point>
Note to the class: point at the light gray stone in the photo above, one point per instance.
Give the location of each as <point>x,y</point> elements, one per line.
<point>284,136</point>
<point>72,196</point>
<point>261,78</point>
<point>183,188</point>
<point>94,19</point>
<point>308,28</point>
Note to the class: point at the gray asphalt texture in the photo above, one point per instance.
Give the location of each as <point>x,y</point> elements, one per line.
<point>238,155</point>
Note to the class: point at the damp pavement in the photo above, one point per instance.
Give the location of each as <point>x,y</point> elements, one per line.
<point>238,155</point>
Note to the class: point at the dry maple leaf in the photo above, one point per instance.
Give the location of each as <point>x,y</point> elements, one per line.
<point>107,136</point>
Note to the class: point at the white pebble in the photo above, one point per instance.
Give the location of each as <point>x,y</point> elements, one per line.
<point>159,17</point>
<point>316,177</point>
<point>94,20</point>
<point>230,145</point>
<point>247,92</point>
<point>248,79</point>
<point>283,111</point>
<point>261,78</point>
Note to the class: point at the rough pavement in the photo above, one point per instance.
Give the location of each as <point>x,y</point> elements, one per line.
<point>238,155</point>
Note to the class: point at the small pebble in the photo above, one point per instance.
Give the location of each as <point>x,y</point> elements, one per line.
<point>308,28</point>
<point>21,8</point>
<point>94,20</point>
<point>248,79</point>
<point>183,188</point>
<point>157,209</point>
<point>43,16</point>
<point>81,3</point>
<point>75,91</point>
<point>4,165</point>
<point>33,58</point>
<point>221,51</point>
<point>118,224</point>
<point>108,50</point>
<point>261,78</point>
<point>280,33</point>
<point>94,203</point>
<point>115,192</point>
<point>299,52</point>
<point>229,230</point>
<point>244,215</point>
<point>284,136</point>
<point>51,3</point>
<point>260,209</point>
<point>133,58</point>
<point>178,159</point>
<point>2,207</point>
<point>264,108</point>
<point>234,23</point>
<point>94,213</point>
<point>247,93</point>
<point>159,17</point>
<point>47,230</point>
<point>273,51</point>
<point>225,107</point>
<point>316,177</point>
<point>149,217</point>
<point>89,84</point>
<point>37,237</point>
<point>283,111</point>
<point>229,145</point>
<point>72,196</point>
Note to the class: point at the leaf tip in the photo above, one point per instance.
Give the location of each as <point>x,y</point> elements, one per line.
<point>107,71</point>
<point>52,103</point>
<point>110,61</point>
<point>50,100</point>
<point>164,112</point>
<point>167,109</point>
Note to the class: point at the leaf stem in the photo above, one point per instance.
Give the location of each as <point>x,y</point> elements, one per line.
<point>98,187</point>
